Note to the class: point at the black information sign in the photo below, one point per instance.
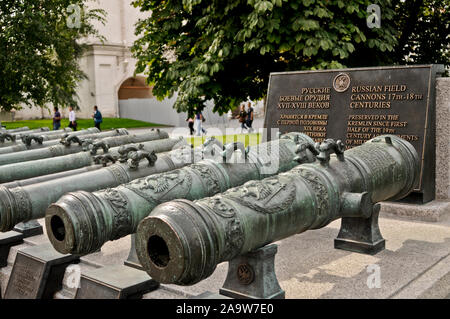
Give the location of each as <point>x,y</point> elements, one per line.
<point>355,105</point>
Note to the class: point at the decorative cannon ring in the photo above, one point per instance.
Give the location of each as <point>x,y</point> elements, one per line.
<point>327,147</point>
<point>67,140</point>
<point>210,147</point>
<point>104,159</point>
<point>231,148</point>
<point>99,144</point>
<point>28,139</point>
<point>302,154</point>
<point>134,158</point>
<point>87,143</point>
<point>127,149</point>
<point>7,136</point>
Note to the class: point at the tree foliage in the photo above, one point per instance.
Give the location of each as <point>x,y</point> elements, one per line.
<point>424,32</point>
<point>225,50</point>
<point>40,50</point>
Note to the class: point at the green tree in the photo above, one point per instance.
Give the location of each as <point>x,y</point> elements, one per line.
<point>225,50</point>
<point>39,50</point>
<point>424,35</point>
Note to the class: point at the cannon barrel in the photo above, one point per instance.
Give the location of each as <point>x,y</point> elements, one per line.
<point>53,176</point>
<point>9,138</point>
<point>42,141</point>
<point>27,130</point>
<point>14,130</point>
<point>120,209</point>
<point>60,150</point>
<point>25,170</point>
<point>21,204</point>
<point>181,242</point>
<point>47,133</point>
<point>42,130</point>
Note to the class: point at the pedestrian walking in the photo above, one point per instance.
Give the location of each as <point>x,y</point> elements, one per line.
<point>98,119</point>
<point>56,119</point>
<point>242,118</point>
<point>199,119</point>
<point>249,121</point>
<point>72,119</point>
<point>190,121</point>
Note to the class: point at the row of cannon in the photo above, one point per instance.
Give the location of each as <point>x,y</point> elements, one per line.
<point>193,208</point>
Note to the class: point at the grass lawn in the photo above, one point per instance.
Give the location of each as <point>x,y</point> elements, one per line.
<point>246,139</point>
<point>108,123</point>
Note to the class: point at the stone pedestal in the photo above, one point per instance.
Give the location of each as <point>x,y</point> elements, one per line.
<point>37,273</point>
<point>252,276</point>
<point>438,209</point>
<point>115,282</point>
<point>433,211</point>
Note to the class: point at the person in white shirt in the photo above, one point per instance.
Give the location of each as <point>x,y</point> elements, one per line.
<point>72,119</point>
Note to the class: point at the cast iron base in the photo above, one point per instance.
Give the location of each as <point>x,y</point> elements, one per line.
<point>361,235</point>
<point>115,282</point>
<point>252,276</point>
<point>37,273</point>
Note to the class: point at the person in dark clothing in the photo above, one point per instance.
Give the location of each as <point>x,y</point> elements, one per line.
<point>56,119</point>
<point>190,121</point>
<point>242,118</point>
<point>250,117</point>
<point>97,117</point>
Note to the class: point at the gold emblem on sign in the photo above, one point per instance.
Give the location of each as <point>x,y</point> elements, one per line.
<point>341,82</point>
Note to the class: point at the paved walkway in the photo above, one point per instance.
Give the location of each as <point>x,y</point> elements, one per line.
<point>415,264</point>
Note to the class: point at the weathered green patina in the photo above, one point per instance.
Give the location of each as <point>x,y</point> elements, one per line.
<point>113,213</point>
<point>21,204</point>
<point>181,242</point>
<point>61,150</point>
<point>8,138</point>
<point>31,142</point>
<point>20,129</point>
<point>43,167</point>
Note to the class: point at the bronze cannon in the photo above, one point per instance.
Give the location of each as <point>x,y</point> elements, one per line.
<point>120,209</point>
<point>21,204</point>
<point>181,242</point>
<point>31,142</point>
<point>60,150</point>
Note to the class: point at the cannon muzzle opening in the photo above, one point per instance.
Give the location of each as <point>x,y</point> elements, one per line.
<point>158,251</point>
<point>58,228</point>
<point>64,216</point>
<point>162,250</point>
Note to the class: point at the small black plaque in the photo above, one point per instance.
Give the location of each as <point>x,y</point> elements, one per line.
<point>37,273</point>
<point>355,105</point>
<point>115,282</point>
